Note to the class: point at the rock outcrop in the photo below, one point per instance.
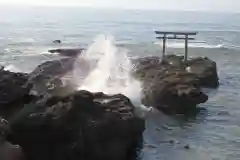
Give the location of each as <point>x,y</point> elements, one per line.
<point>67,52</point>
<point>13,91</point>
<point>204,68</point>
<point>206,71</point>
<point>12,87</point>
<point>167,85</point>
<point>47,77</point>
<point>57,41</point>
<point>170,85</point>
<point>83,125</point>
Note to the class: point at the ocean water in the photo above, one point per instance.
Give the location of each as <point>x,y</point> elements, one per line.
<point>214,134</point>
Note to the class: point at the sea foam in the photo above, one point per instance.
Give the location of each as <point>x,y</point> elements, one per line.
<point>104,67</point>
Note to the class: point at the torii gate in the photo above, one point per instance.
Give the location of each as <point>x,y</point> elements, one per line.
<point>178,36</point>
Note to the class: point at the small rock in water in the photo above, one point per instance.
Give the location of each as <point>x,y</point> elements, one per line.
<point>71,52</point>
<point>224,113</point>
<point>149,146</point>
<point>173,141</point>
<point>166,127</point>
<point>57,41</point>
<point>187,146</point>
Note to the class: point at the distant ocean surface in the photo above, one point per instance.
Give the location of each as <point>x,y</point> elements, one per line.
<point>27,33</point>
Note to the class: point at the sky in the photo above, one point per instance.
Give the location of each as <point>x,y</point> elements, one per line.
<point>199,5</point>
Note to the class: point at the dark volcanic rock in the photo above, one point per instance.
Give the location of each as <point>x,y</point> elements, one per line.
<point>53,68</point>
<point>206,71</point>
<point>82,125</point>
<point>8,151</point>
<point>12,89</point>
<point>204,68</point>
<point>4,129</point>
<point>67,52</point>
<point>57,41</point>
<point>170,88</point>
<point>46,78</point>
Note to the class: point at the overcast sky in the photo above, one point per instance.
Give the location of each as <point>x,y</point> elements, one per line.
<point>209,5</point>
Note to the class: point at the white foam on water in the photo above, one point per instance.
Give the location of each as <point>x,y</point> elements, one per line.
<point>191,45</point>
<point>105,68</point>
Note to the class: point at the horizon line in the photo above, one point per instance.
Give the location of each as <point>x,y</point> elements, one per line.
<point>114,8</point>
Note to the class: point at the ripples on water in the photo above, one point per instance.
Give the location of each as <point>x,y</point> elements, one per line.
<point>214,134</point>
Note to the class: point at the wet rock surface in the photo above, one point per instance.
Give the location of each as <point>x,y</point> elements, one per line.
<point>168,86</point>
<point>47,77</point>
<point>206,71</point>
<point>83,125</point>
<point>52,68</point>
<point>57,41</point>
<point>67,52</point>
<point>13,91</point>
<point>204,68</point>
<point>12,87</point>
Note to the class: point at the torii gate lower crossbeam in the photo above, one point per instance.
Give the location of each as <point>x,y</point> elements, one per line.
<point>178,36</point>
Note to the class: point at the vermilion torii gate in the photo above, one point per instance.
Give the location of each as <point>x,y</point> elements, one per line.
<point>178,36</point>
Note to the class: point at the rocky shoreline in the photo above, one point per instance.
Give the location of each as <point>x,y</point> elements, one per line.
<point>85,125</point>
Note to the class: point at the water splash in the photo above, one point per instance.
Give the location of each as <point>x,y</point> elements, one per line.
<point>103,67</point>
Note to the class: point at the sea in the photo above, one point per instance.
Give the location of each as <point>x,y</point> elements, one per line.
<point>27,33</point>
